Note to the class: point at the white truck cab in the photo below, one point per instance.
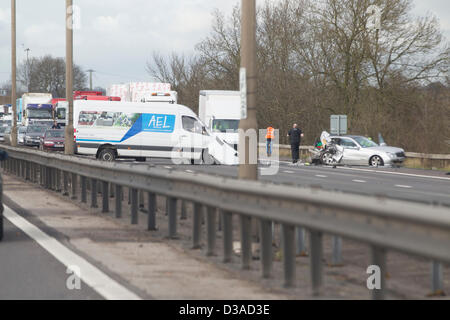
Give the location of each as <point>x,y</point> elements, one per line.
<point>220,111</point>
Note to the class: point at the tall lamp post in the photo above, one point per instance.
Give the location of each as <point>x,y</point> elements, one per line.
<point>69,134</point>
<point>247,170</point>
<point>13,74</point>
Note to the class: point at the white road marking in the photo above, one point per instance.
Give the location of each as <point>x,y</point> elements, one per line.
<point>189,171</point>
<point>359,181</point>
<point>167,167</point>
<point>397,173</point>
<point>92,276</point>
<point>321,176</point>
<point>290,172</point>
<point>402,186</point>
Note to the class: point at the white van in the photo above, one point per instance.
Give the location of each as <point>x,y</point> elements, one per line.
<point>111,130</point>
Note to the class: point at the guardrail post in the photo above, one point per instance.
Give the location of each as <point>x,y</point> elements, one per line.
<point>15,166</point>
<point>336,259</point>
<point>141,199</point>
<point>58,180</point>
<point>27,171</point>
<point>172,217</point>
<point>48,180</point>
<point>227,218</point>
<point>65,183</point>
<point>266,247</point>
<point>246,241</point>
<point>112,189</point>
<point>53,178</point>
<point>288,255</point>
<point>379,260</point>
<point>301,242</point>
<point>21,168</point>
<point>316,261</point>
<point>41,175</point>
<point>151,219</point>
<point>211,220</point>
<point>437,279</point>
<point>105,194</point>
<point>197,225</point>
<point>219,223</point>
<point>167,206</point>
<point>183,210</point>
<point>134,206</point>
<point>74,186</point>
<point>118,200</point>
<point>83,182</point>
<point>32,172</point>
<point>94,193</point>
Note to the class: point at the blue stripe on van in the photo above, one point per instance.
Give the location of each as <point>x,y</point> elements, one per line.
<point>93,140</point>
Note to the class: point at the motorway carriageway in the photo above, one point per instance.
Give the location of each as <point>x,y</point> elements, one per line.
<point>405,184</point>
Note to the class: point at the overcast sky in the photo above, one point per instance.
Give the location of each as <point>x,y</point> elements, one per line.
<point>117,37</point>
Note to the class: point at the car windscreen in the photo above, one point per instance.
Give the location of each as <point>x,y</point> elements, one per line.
<point>54,134</point>
<point>225,125</point>
<point>3,129</point>
<point>365,143</point>
<point>37,129</point>
<point>22,129</point>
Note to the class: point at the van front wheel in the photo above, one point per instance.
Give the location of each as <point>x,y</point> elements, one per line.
<point>107,155</point>
<point>207,158</point>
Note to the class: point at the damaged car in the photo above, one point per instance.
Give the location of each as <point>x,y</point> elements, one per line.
<point>356,150</point>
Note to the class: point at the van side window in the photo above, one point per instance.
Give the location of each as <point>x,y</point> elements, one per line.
<point>192,125</point>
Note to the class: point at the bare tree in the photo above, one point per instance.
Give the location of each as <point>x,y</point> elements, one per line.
<point>48,74</point>
<point>320,58</point>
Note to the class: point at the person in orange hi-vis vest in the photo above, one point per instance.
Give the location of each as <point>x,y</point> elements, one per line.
<point>270,136</point>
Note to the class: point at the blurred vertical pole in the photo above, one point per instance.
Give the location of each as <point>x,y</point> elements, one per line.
<point>69,140</point>
<point>247,170</point>
<point>13,74</point>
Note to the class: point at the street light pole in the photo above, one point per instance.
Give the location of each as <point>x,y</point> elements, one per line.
<point>28,69</point>
<point>90,78</point>
<point>69,134</point>
<point>13,74</point>
<point>247,170</point>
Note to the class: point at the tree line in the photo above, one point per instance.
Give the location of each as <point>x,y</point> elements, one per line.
<point>46,74</point>
<point>318,58</point>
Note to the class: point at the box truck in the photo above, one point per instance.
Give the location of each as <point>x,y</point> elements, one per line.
<point>144,92</point>
<point>37,108</point>
<point>220,111</point>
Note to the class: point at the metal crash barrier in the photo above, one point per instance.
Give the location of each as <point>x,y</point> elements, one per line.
<point>383,224</point>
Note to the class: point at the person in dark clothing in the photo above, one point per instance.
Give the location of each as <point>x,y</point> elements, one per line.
<point>56,125</point>
<point>295,135</point>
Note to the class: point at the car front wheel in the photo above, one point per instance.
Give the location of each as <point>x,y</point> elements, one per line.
<point>376,161</point>
<point>327,159</point>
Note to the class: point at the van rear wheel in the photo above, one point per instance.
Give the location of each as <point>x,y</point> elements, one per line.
<point>107,155</point>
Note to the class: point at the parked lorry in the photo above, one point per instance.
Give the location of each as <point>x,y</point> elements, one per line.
<point>220,111</point>
<point>37,107</point>
<point>144,92</point>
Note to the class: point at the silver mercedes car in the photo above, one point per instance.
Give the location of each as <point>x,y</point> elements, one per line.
<point>359,150</point>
